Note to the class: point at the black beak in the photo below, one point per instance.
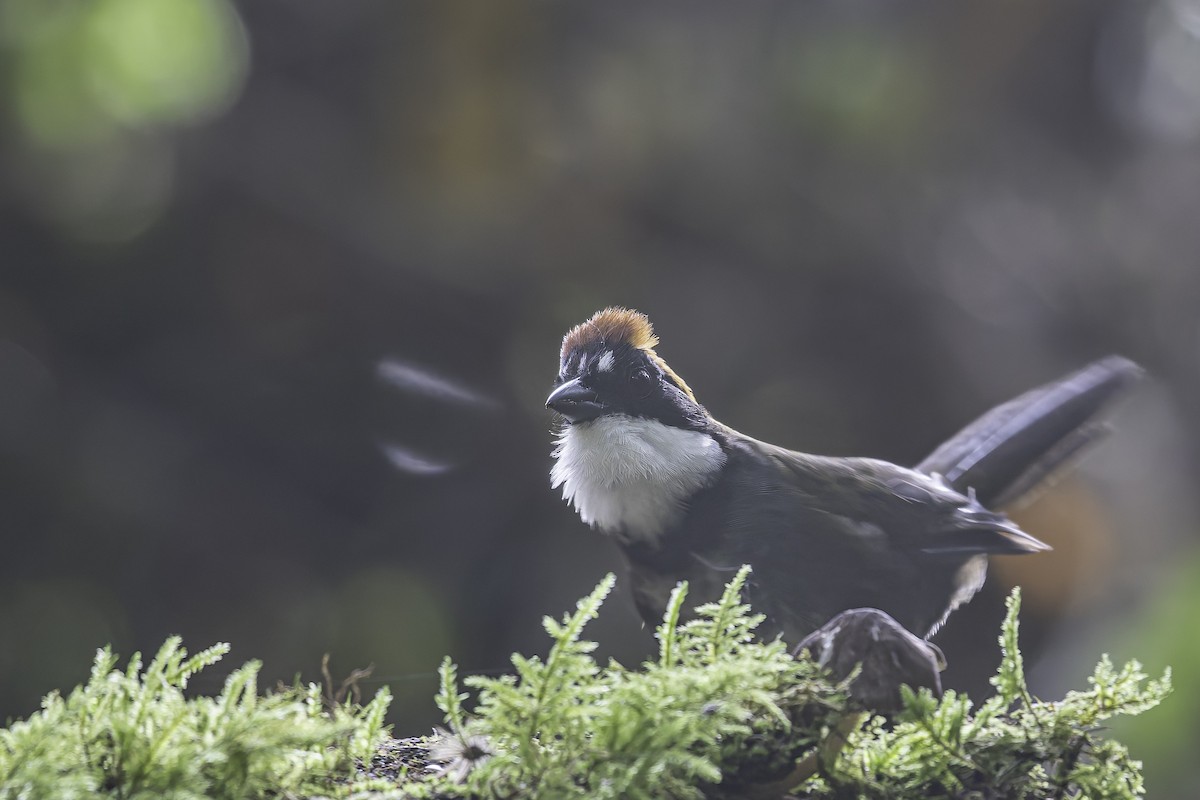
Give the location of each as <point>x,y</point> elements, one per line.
<point>576,402</point>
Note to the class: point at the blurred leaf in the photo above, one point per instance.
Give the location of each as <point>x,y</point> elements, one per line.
<point>84,70</point>
<point>165,60</point>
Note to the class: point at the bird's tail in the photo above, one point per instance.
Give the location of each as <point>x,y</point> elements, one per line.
<point>1018,448</point>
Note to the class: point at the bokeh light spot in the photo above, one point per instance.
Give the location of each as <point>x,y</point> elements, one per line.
<point>165,60</point>
<point>52,100</point>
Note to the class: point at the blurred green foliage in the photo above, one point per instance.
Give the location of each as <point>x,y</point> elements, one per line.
<point>84,69</point>
<point>95,87</point>
<point>1170,739</point>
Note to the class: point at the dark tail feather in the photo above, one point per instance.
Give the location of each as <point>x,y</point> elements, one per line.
<point>1019,447</point>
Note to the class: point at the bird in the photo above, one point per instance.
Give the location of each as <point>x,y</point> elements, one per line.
<point>687,498</point>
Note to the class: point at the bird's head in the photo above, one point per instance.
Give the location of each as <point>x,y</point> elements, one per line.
<point>608,366</point>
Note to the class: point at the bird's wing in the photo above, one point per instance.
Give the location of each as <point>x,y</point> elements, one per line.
<point>1019,447</point>
<point>963,525</point>
<point>916,512</point>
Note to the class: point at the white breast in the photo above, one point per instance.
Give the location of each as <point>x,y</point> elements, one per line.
<point>630,475</point>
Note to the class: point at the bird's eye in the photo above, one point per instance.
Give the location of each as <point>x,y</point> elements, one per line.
<point>640,380</point>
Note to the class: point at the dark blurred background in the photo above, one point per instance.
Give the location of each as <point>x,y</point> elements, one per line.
<point>283,284</point>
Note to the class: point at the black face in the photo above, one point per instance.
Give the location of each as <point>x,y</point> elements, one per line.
<point>600,380</point>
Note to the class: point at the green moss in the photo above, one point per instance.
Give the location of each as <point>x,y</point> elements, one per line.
<point>718,713</point>
<point>132,733</point>
<point>715,713</point>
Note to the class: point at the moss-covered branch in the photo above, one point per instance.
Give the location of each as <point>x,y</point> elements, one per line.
<point>715,714</point>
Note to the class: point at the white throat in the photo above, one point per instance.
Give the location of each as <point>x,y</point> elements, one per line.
<point>631,476</point>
